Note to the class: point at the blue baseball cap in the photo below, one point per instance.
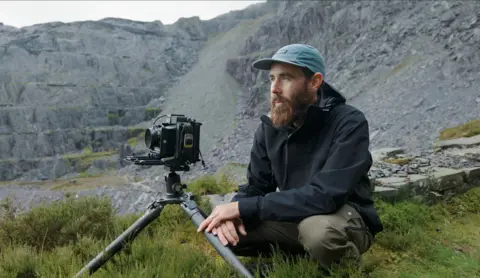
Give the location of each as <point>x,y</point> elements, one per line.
<point>301,55</point>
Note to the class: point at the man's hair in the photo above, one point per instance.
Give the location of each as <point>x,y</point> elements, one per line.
<point>307,72</point>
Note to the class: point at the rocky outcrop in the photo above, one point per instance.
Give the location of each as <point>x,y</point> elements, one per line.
<point>62,86</point>
<point>66,87</point>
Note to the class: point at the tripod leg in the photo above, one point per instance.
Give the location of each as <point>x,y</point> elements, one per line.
<point>197,217</point>
<point>126,237</point>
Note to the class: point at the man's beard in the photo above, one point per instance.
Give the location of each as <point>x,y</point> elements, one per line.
<point>289,111</point>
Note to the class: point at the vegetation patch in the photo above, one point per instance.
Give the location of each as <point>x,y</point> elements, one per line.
<point>151,112</point>
<point>82,161</point>
<point>135,135</point>
<point>468,129</point>
<point>398,160</point>
<point>206,185</point>
<point>58,239</point>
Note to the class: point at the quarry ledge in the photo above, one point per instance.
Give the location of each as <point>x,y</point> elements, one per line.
<point>440,184</point>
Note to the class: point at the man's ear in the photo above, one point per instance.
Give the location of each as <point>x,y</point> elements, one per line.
<point>317,80</point>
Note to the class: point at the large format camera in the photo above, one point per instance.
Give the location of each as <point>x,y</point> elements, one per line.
<point>174,143</point>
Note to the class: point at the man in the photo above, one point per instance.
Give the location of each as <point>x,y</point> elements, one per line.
<point>314,148</point>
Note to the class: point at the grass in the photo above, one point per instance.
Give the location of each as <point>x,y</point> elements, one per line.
<point>398,160</point>
<point>82,161</point>
<point>58,239</point>
<point>468,129</point>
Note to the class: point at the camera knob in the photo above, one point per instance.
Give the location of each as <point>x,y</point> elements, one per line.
<point>177,187</point>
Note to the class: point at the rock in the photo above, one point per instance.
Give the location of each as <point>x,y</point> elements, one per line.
<point>463,142</point>
<point>472,174</point>
<point>418,180</point>
<point>434,197</point>
<point>444,178</point>
<point>473,152</point>
<point>381,154</point>
<point>395,182</point>
<point>385,192</point>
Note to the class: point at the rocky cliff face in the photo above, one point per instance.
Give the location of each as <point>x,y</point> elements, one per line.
<point>67,87</point>
<point>76,97</point>
<point>68,91</point>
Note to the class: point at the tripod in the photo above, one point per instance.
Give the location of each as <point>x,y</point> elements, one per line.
<point>175,195</point>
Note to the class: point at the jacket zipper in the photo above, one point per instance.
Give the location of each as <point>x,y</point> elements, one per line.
<point>286,156</point>
<point>286,162</point>
<point>267,121</point>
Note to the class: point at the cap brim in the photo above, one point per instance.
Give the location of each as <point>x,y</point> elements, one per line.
<point>266,63</point>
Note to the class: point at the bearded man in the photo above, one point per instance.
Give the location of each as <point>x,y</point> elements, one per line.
<point>308,190</point>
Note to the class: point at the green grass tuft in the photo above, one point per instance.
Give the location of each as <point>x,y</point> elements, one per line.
<point>468,129</point>
<point>58,239</point>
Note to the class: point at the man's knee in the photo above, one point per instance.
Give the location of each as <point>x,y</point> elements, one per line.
<point>329,238</point>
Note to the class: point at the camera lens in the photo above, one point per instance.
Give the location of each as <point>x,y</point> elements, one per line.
<point>151,138</point>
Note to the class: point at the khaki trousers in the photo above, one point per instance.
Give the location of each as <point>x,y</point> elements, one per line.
<point>325,238</point>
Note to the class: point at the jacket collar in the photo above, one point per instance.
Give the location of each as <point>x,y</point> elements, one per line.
<point>327,98</point>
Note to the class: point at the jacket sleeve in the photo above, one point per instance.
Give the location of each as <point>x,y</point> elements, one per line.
<point>260,179</point>
<point>349,159</point>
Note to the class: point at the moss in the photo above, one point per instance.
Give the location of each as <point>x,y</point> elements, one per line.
<point>151,112</point>
<point>135,131</point>
<point>468,129</point>
<point>112,116</point>
<point>132,141</point>
<point>398,160</point>
<point>81,161</point>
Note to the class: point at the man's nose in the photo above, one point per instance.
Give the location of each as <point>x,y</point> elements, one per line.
<point>275,88</point>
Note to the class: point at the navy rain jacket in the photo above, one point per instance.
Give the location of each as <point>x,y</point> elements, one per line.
<point>317,168</point>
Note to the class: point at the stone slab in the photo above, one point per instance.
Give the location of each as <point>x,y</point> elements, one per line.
<point>446,178</point>
<point>419,180</point>
<point>463,142</point>
<point>380,154</point>
<point>382,191</point>
<point>393,182</point>
<point>472,174</point>
<point>463,152</point>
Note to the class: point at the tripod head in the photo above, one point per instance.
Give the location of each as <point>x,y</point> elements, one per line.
<point>173,185</point>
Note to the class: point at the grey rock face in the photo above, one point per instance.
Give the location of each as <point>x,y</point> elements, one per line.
<point>65,87</point>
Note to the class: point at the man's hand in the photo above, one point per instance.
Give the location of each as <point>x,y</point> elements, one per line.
<point>220,214</point>
<point>227,231</point>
